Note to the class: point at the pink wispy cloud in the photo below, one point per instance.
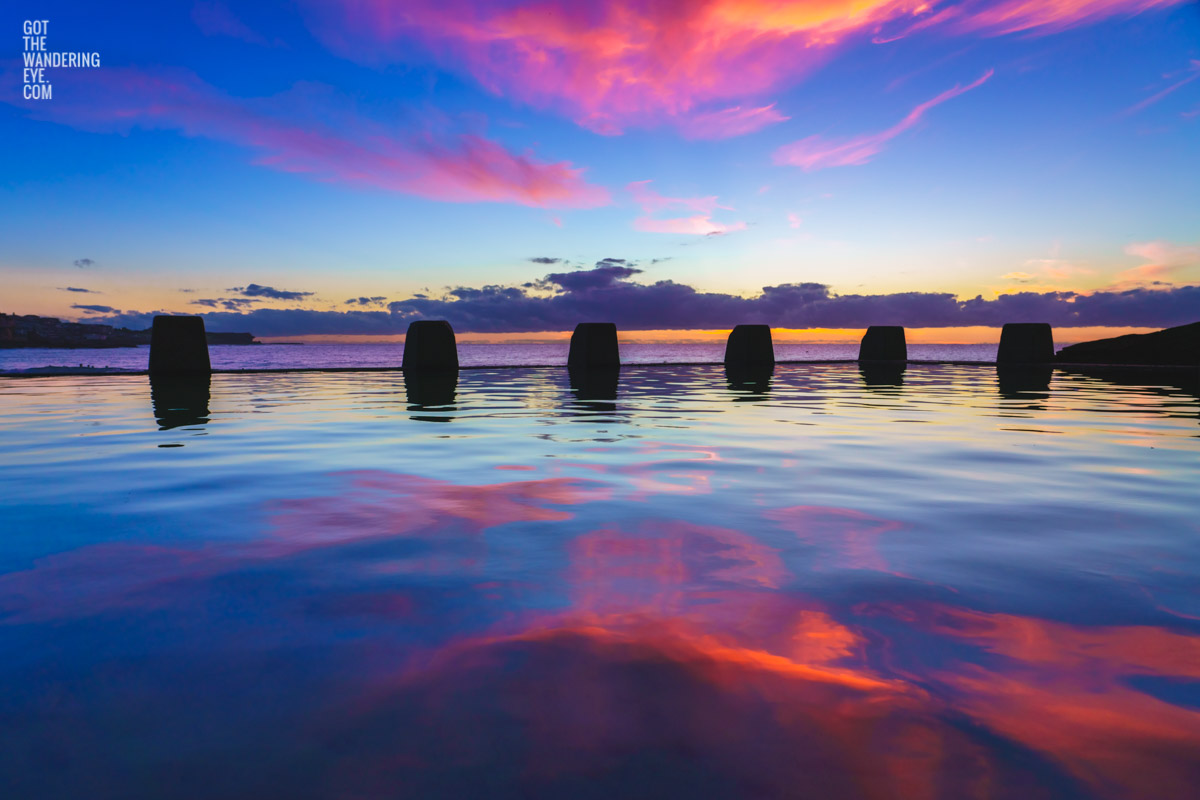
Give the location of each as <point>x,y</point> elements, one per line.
<point>1059,269</point>
<point>699,224</point>
<point>1192,73</point>
<point>1043,16</point>
<point>652,202</point>
<point>609,66</point>
<point>730,122</point>
<point>707,67</point>
<point>816,152</point>
<point>1006,17</point>
<point>1043,275</point>
<point>340,148</point>
<point>1166,262</point>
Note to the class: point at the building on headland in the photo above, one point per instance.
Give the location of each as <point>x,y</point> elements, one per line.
<point>32,331</point>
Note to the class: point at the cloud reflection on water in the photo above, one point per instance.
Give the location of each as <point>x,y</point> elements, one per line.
<point>544,637</point>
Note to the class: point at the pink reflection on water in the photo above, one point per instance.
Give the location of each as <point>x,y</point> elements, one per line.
<point>126,576</point>
<point>380,503</point>
<point>590,693</point>
<point>595,695</point>
<point>102,578</point>
<point>681,643</point>
<point>678,469</point>
<point>661,562</point>
<point>847,539</point>
<point>1066,691</point>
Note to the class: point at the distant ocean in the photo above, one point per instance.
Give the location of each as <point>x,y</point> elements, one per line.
<point>281,356</point>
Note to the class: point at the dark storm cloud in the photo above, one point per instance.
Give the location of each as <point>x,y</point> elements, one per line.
<point>561,299</point>
<point>587,279</point>
<point>280,321</point>
<point>77,289</point>
<point>255,290</point>
<point>227,303</point>
<point>84,263</point>
<point>96,309</point>
<point>606,293</point>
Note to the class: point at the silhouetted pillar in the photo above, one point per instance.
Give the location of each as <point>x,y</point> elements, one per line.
<point>430,345</point>
<point>749,345</point>
<point>1026,343</point>
<point>594,346</point>
<point>883,343</point>
<point>178,345</point>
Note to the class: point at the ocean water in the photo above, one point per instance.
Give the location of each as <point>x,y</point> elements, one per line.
<point>932,582</point>
<point>280,356</point>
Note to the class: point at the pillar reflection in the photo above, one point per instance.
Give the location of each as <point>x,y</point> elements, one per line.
<point>178,400</point>
<point>749,381</point>
<point>882,374</point>
<point>595,389</point>
<point>431,390</point>
<point>1024,382</point>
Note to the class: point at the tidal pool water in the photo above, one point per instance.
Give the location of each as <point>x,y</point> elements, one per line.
<point>939,582</point>
<point>470,354</point>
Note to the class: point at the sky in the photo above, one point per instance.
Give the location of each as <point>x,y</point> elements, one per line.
<point>346,166</point>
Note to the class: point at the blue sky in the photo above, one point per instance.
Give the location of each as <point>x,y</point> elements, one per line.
<point>385,150</point>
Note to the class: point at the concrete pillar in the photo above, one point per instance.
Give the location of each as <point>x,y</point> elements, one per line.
<point>749,345</point>
<point>430,345</point>
<point>1026,343</point>
<point>594,346</point>
<point>883,343</point>
<point>178,345</point>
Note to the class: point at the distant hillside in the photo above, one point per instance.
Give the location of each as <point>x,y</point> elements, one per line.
<point>33,331</point>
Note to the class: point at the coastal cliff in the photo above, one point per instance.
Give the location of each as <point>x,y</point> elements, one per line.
<point>33,331</point>
<point>1178,346</point>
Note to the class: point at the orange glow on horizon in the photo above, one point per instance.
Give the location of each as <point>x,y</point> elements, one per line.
<point>977,334</point>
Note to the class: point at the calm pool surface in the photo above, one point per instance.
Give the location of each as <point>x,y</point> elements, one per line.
<point>821,584</point>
